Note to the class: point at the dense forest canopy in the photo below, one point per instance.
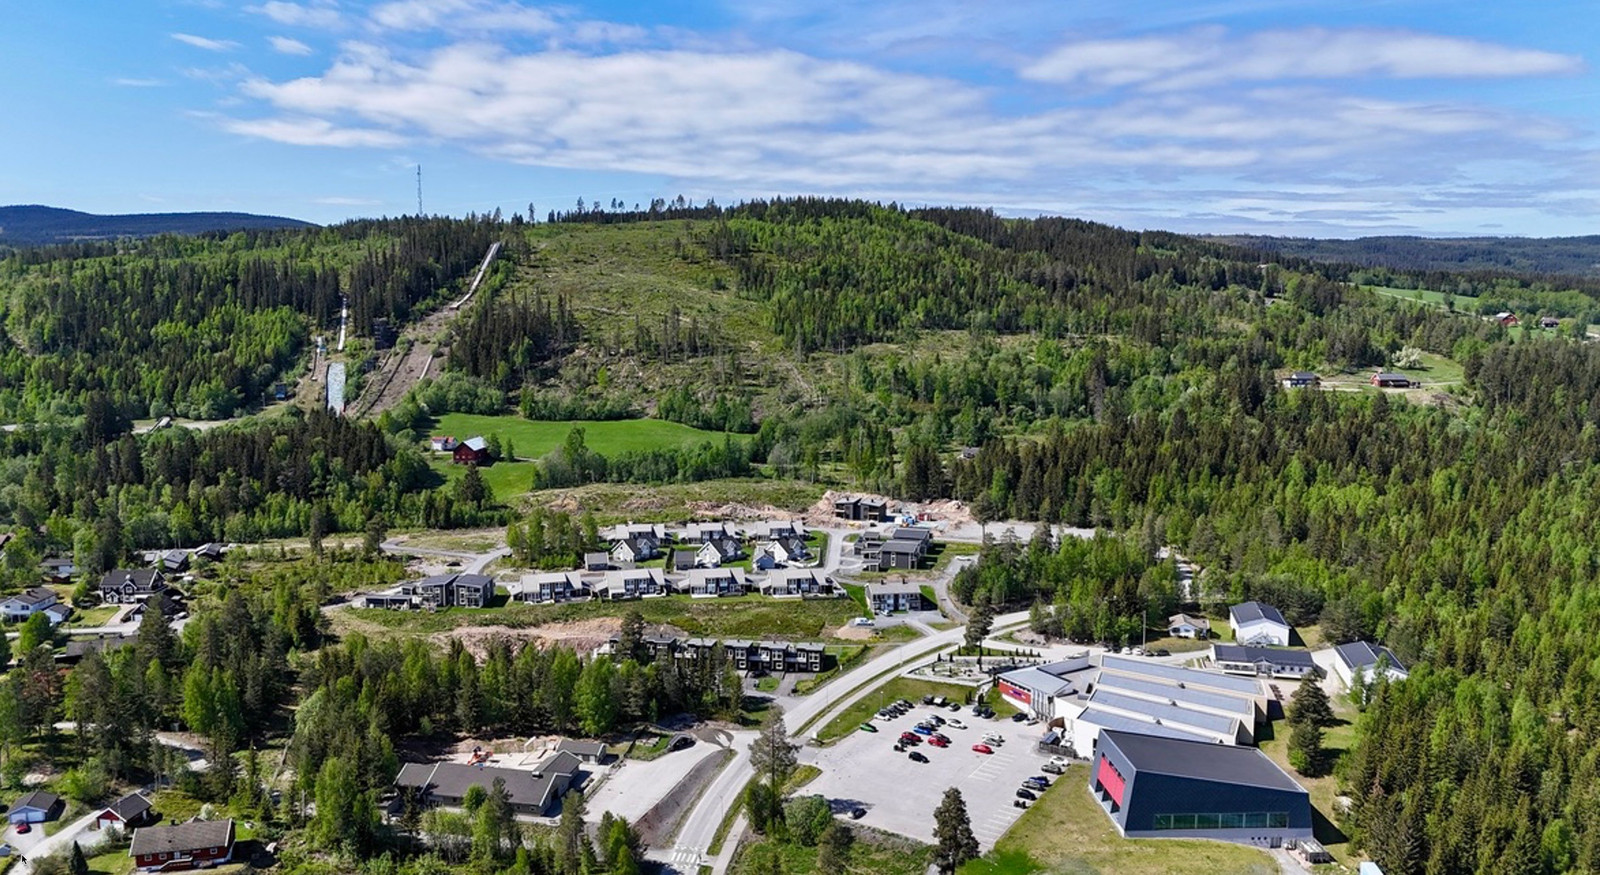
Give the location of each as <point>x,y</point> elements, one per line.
<point>1100,377</point>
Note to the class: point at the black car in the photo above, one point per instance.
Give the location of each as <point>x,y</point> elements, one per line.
<point>1026,794</point>
<point>1162,652</point>
<point>1018,717</point>
<point>917,757</point>
<point>682,742</point>
<point>1037,782</point>
<point>935,719</point>
<point>857,813</point>
<point>954,706</point>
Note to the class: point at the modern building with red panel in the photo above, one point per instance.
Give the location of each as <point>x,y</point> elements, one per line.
<point>1166,788</point>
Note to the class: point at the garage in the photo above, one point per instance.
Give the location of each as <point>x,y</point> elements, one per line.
<point>35,807</point>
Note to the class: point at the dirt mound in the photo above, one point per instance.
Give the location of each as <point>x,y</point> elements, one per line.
<point>582,636</point>
<point>953,514</point>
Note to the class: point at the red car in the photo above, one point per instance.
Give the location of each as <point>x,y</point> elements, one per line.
<point>983,748</point>
<point>936,741</point>
<point>910,738</point>
<point>24,828</point>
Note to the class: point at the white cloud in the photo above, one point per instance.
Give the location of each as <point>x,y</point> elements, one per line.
<point>323,16</point>
<point>138,83</point>
<point>312,132</point>
<point>498,17</point>
<point>760,120</point>
<point>210,45</point>
<point>1210,56</point>
<point>285,45</point>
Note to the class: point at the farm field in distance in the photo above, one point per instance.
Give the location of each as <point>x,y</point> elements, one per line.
<point>533,438</point>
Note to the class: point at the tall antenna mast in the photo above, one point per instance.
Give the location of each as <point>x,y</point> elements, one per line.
<point>419,190</point>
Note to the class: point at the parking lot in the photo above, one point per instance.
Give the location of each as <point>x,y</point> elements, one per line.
<point>899,795</point>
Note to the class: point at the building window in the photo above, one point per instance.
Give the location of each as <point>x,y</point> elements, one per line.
<point>1223,820</point>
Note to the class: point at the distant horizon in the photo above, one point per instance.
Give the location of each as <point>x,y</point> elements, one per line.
<point>541,219</point>
<point>1311,118</point>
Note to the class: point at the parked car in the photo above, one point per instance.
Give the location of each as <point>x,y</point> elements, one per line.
<point>864,621</point>
<point>935,719</point>
<point>939,741</point>
<point>904,703</point>
<point>1018,803</point>
<point>982,748</point>
<point>917,757</point>
<point>1162,652</point>
<point>909,738</point>
<point>682,742</point>
<point>923,730</point>
<point>928,699</point>
<point>1061,761</point>
<point>1019,717</point>
<point>868,727</point>
<point>899,748</point>
<point>953,723</point>
<point>954,706</point>
<point>1026,794</point>
<point>994,738</point>
<point>1053,769</point>
<point>857,813</point>
<point>940,736</point>
<point>24,828</point>
<point>1037,782</point>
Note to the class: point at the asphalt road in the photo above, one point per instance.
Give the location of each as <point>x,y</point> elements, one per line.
<point>694,839</point>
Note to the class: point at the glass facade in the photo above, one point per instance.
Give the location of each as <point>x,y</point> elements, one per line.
<point>1230,820</point>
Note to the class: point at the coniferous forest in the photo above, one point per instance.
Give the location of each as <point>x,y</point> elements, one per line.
<point>1099,377</point>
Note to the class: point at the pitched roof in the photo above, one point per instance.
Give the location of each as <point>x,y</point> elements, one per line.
<point>1122,723</point>
<point>1180,674</point>
<point>40,799</point>
<point>182,838</point>
<point>1269,655</point>
<point>902,545</point>
<point>1201,761</point>
<point>1186,620</point>
<point>1360,654</point>
<point>1164,713</point>
<point>525,788</point>
<point>1252,612</point>
<point>35,597</point>
<point>476,444</point>
<point>131,807</point>
<point>891,587</point>
<point>582,748</point>
<point>1039,680</point>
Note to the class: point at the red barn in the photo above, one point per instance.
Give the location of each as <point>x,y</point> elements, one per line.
<point>198,844</point>
<point>472,451</point>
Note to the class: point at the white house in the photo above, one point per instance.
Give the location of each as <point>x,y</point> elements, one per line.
<point>787,551</point>
<point>25,604</point>
<point>717,551</point>
<point>1185,626</point>
<point>1258,624</point>
<point>1362,658</point>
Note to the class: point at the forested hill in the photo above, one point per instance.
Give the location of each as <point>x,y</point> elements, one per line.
<point>1562,256</point>
<point>27,225</point>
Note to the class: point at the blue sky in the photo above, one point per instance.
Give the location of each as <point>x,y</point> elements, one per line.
<point>1265,116</point>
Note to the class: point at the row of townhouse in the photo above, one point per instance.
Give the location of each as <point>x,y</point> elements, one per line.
<point>902,548</point>
<point>771,657</point>
<point>476,590</point>
<point>704,545</point>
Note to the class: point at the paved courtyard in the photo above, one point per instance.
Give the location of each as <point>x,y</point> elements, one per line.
<point>899,795</point>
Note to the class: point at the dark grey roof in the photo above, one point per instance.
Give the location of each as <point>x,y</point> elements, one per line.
<point>1391,375</point>
<point>34,597</point>
<point>1268,655</point>
<point>1200,761</point>
<point>131,807</point>
<point>142,578</point>
<point>1361,654</point>
<point>581,747</point>
<point>182,838</point>
<point>1302,375</point>
<point>910,533</point>
<point>531,789</point>
<point>1250,612</point>
<point>476,581</point>
<point>40,799</point>
<point>79,647</point>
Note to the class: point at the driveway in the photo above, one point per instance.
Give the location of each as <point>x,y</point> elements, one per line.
<point>630,789</point>
<point>36,844</point>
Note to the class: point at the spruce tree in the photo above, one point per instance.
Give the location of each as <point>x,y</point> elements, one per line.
<point>952,828</point>
<point>1309,705</point>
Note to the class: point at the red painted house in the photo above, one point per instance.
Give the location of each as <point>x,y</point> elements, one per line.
<point>126,813</point>
<point>198,844</point>
<point>472,451</point>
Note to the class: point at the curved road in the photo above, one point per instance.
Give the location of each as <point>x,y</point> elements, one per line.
<point>694,839</point>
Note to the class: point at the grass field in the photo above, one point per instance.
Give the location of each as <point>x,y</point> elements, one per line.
<point>871,852</point>
<point>909,689</point>
<point>750,616</point>
<point>531,439</point>
<point>1067,832</point>
<point>1336,740</point>
<point>95,616</point>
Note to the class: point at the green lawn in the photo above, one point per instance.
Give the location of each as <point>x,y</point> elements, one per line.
<point>1336,740</point>
<point>748,616</point>
<point>531,439</point>
<point>910,689</point>
<point>1066,831</point>
<point>95,616</point>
